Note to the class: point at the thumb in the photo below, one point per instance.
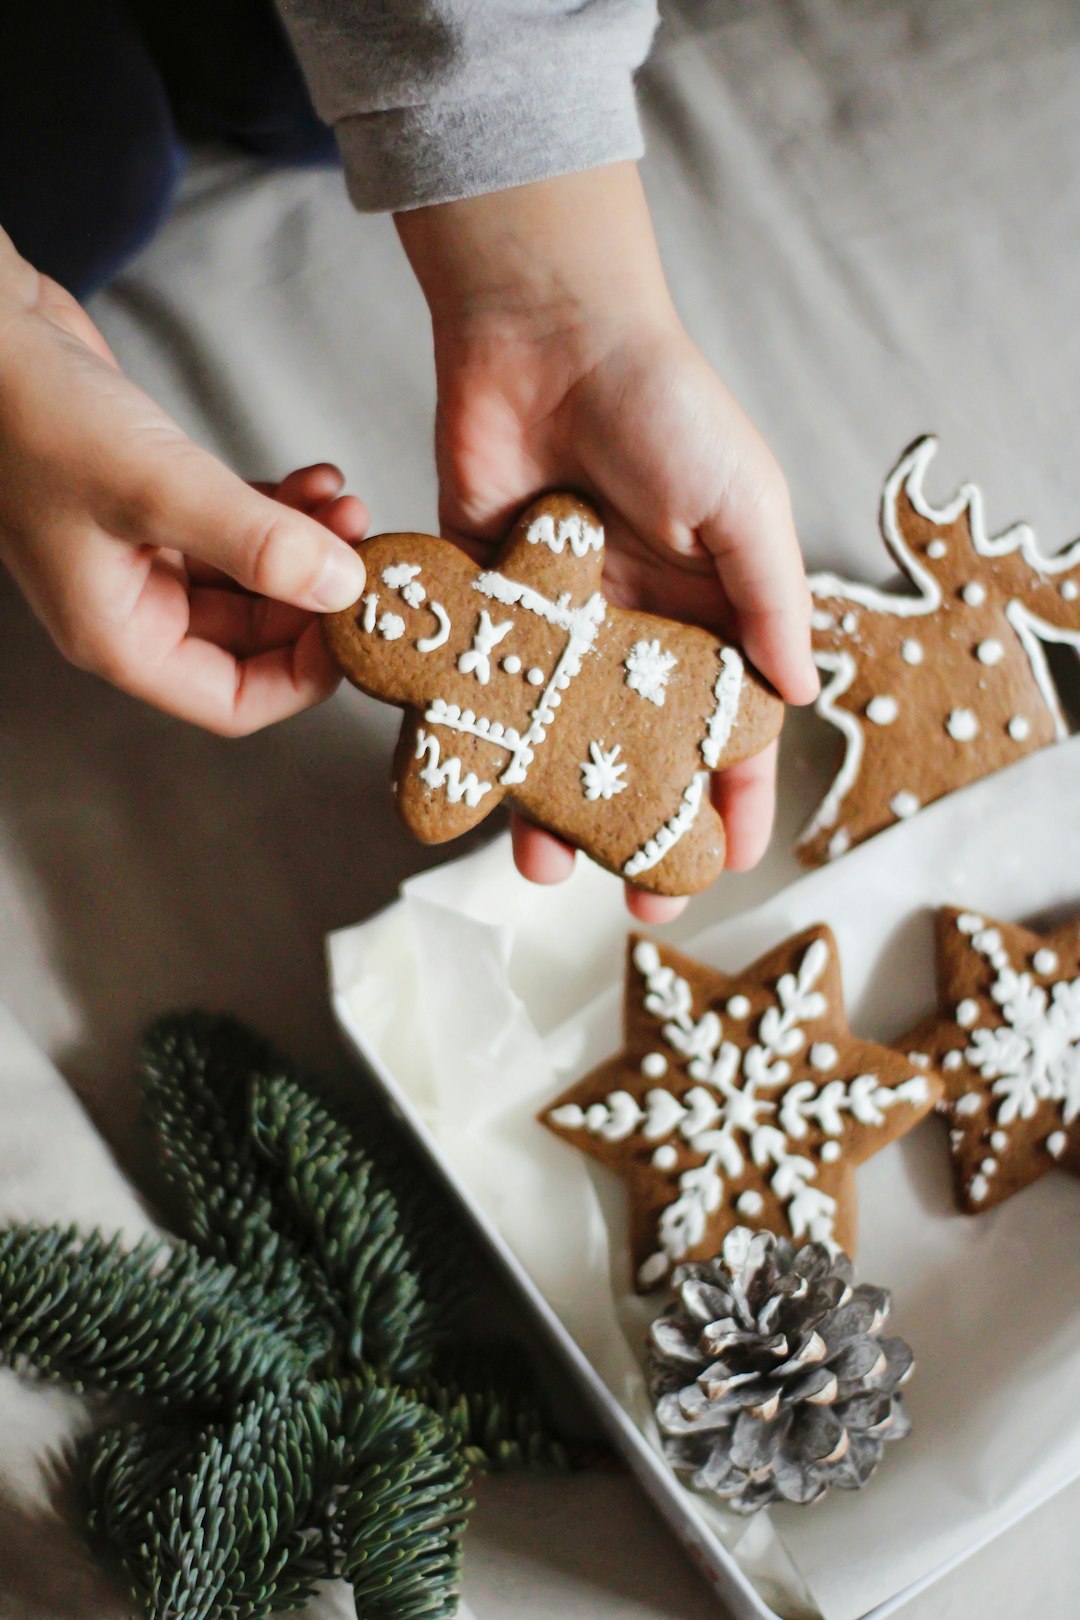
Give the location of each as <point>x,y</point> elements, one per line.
<point>196,506</point>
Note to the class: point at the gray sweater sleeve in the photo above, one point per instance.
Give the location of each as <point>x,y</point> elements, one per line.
<point>434,100</point>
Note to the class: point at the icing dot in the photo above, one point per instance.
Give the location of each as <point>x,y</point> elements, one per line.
<point>987,939</point>
<point>920,1060</point>
<point>665,1157</point>
<point>820,620</point>
<point>999,959</point>
<point>739,1007</point>
<point>956,1138</point>
<point>952,1060</point>
<point>967,1013</point>
<point>882,710</point>
<point>654,1065</point>
<point>974,594</point>
<point>839,844</point>
<point>989,652</point>
<point>912,652</point>
<point>1045,961</point>
<point>989,1167</point>
<point>823,1055</point>
<point>937,549</point>
<point>830,1152</point>
<point>999,1141</point>
<point>1019,728</point>
<point>750,1202</point>
<point>512,664</point>
<point>535,677</point>
<point>848,623</point>
<point>903,804</point>
<point>962,725</point>
<point>968,923</point>
<point>1056,1144</point>
<point>978,1188</point>
<point>646,956</point>
<point>969,1103</point>
<point>1070,590</point>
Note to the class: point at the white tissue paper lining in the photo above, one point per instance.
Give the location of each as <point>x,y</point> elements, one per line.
<point>471,993</point>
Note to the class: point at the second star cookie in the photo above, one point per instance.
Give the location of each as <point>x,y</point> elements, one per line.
<point>521,681</point>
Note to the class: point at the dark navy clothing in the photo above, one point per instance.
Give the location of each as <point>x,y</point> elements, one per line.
<point>99,100</point>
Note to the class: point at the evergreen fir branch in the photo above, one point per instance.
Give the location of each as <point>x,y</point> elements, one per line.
<point>152,1321</point>
<point>490,1400</point>
<point>196,1072</point>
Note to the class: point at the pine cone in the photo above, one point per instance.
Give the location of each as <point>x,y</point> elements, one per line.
<point>770,1380</point>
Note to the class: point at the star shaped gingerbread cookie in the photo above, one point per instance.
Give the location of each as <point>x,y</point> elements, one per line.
<point>739,1100</point>
<point>1007,1044</point>
<point>944,682</point>
<point>520,680</point>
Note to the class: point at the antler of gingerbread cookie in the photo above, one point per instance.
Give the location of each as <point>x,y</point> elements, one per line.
<point>520,681</point>
<point>948,682</point>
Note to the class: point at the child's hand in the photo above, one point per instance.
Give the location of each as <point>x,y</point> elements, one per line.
<point>561,363</point>
<point>147,560</point>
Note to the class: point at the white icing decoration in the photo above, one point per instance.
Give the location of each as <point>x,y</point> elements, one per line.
<point>1056,1143</point>
<point>912,651</point>
<point>390,626</point>
<point>830,1151</point>
<point>839,843</point>
<point>573,531</point>
<point>1019,728</point>
<point>477,659</point>
<point>397,575</point>
<point>962,725</point>
<point>987,940</point>
<point>1033,1055</point>
<point>535,676</point>
<point>909,477</point>
<point>654,1065</point>
<point>969,1103</point>
<point>724,1114</point>
<point>666,1157</point>
<point>999,1141</point>
<point>848,624</point>
<point>602,773</point>
<point>427,644</point>
<point>936,550</point>
<point>921,1060</point>
<point>448,774</point>
<point>581,625</point>
<point>1070,590</point>
<point>371,611</point>
<point>726,693</point>
<point>1045,961</point>
<point>738,1007</point>
<point>882,710</point>
<point>990,652</point>
<point>665,838</point>
<point>823,1055</point>
<point>978,1189</point>
<point>903,804</point>
<point>750,1202</point>
<point>952,1060</point>
<point>969,923</point>
<point>648,670</point>
<point>820,620</point>
<point>989,1167</point>
<point>967,1013</point>
<point>512,664</point>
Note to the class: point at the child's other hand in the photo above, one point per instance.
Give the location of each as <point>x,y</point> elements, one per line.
<point>562,363</point>
<point>149,562</point>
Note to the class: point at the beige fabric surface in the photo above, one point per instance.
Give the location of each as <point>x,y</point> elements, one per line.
<point>870,216</point>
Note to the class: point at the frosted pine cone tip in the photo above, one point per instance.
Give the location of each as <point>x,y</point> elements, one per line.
<point>770,1378</point>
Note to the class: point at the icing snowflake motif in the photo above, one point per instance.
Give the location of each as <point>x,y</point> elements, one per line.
<point>1034,1056</point>
<point>743,1114</point>
<point>476,660</point>
<point>648,670</point>
<point>391,626</point>
<point>602,773</point>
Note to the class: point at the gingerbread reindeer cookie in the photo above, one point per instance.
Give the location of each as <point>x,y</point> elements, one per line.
<point>520,681</point>
<point>936,686</point>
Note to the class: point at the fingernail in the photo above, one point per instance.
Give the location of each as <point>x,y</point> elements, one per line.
<point>341,581</point>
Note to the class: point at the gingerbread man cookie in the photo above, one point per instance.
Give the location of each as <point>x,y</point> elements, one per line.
<point>1007,1044</point>
<point>739,1100</point>
<point>938,686</point>
<point>520,681</point>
